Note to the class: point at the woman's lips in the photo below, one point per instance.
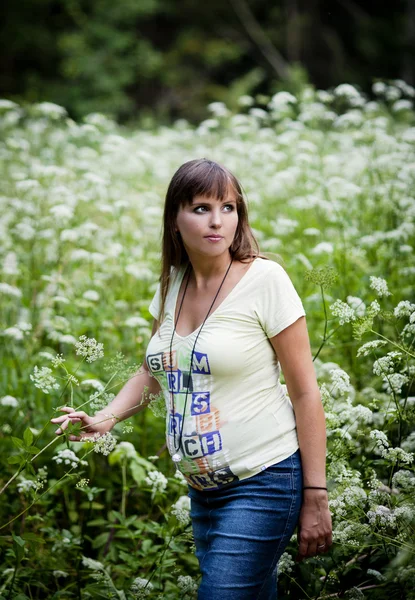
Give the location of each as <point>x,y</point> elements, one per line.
<point>214,238</point>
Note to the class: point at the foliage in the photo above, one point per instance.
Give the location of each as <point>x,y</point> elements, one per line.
<point>329,179</point>
<point>162,59</point>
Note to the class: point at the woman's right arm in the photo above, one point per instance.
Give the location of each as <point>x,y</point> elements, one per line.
<point>132,398</point>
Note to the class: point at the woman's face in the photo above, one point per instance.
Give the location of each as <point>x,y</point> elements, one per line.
<point>207,226</point>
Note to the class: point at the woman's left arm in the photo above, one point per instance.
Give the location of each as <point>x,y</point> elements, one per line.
<point>292,347</point>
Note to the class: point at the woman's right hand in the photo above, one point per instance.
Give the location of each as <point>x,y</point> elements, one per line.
<point>92,427</point>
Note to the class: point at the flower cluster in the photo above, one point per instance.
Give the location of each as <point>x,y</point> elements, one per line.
<point>404,309</point>
<point>181,510</point>
<point>44,380</point>
<point>105,444</point>
<point>157,481</point>
<point>285,564</point>
<point>386,364</point>
<point>186,584</point>
<point>343,311</point>
<point>370,347</point>
<point>68,457</point>
<point>380,286</point>
<point>9,401</point>
<point>89,348</point>
<point>140,588</point>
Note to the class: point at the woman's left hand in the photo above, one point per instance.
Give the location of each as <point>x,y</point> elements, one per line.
<point>314,526</point>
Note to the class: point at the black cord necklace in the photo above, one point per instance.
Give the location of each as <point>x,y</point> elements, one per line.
<point>176,456</point>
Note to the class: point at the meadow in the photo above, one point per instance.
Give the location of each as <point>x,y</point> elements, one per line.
<point>329,179</point>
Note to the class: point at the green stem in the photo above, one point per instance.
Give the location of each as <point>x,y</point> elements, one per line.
<point>41,495</point>
<point>393,343</point>
<point>124,485</point>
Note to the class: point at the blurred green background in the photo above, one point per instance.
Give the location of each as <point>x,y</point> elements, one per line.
<point>147,60</point>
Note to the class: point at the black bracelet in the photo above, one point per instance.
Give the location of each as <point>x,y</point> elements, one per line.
<point>313,487</point>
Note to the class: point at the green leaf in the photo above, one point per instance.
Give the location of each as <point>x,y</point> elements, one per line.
<point>100,540</point>
<point>18,539</point>
<point>18,443</point>
<point>33,450</point>
<point>28,437</point>
<point>32,537</point>
<point>13,460</point>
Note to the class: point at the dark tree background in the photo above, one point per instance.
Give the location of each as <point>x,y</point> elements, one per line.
<point>169,58</point>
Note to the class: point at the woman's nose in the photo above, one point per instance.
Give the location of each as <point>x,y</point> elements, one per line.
<point>215,219</point>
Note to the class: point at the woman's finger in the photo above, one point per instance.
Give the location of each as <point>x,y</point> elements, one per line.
<point>312,548</point>
<point>68,419</point>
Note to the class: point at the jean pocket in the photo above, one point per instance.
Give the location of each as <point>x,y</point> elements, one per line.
<point>288,467</point>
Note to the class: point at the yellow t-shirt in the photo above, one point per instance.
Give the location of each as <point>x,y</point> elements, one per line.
<point>238,419</point>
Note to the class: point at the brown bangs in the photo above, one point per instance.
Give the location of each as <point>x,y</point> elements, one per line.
<point>208,179</point>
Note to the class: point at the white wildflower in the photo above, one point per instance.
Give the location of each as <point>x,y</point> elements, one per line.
<point>82,483</point>
<point>379,88</point>
<point>394,383</point>
<point>404,309</point>
<point>357,304</point>
<point>179,475</point>
<point>68,457</point>
<point>343,311</point>
<point>26,485</point>
<point>374,309</point>
<point>9,401</point>
<point>402,105</point>
<point>393,455</point>
<point>91,295</point>
<point>404,479</point>
<point>379,285</point>
<point>186,584</point>
<point>381,515</point>
<point>140,588</point>
<point>49,109</point>
<point>386,364</point>
<point>10,290</point>
<point>181,510</point>
<point>44,380</point>
<point>245,100</point>
<point>66,339</point>
<point>282,100</point>
<point>323,248</point>
<point>157,481</point>
<point>57,360</point>
<point>346,90</point>
<point>362,413</point>
<point>92,564</point>
<point>340,381</point>
<point>89,348</point>
<point>380,437</point>
<point>218,109</point>
<point>15,333</point>
<point>94,383</point>
<point>58,573</point>
<point>370,347</point>
<point>105,444</point>
<point>136,321</point>
<point>285,563</point>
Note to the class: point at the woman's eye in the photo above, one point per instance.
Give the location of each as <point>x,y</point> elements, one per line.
<point>229,207</point>
<point>200,209</point>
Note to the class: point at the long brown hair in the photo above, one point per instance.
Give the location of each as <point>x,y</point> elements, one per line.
<point>201,177</point>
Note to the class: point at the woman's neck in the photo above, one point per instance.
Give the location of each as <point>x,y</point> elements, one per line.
<point>205,271</point>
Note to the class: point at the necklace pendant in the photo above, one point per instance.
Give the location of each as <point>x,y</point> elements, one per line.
<point>176,458</point>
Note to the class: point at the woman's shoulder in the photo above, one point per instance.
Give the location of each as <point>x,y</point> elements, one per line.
<point>268,266</point>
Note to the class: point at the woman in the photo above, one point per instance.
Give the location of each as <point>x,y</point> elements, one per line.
<point>226,320</point>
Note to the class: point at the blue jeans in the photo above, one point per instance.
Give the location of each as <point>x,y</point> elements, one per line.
<point>241,531</point>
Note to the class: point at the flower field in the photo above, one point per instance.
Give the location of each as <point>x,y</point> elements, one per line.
<point>330,183</point>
